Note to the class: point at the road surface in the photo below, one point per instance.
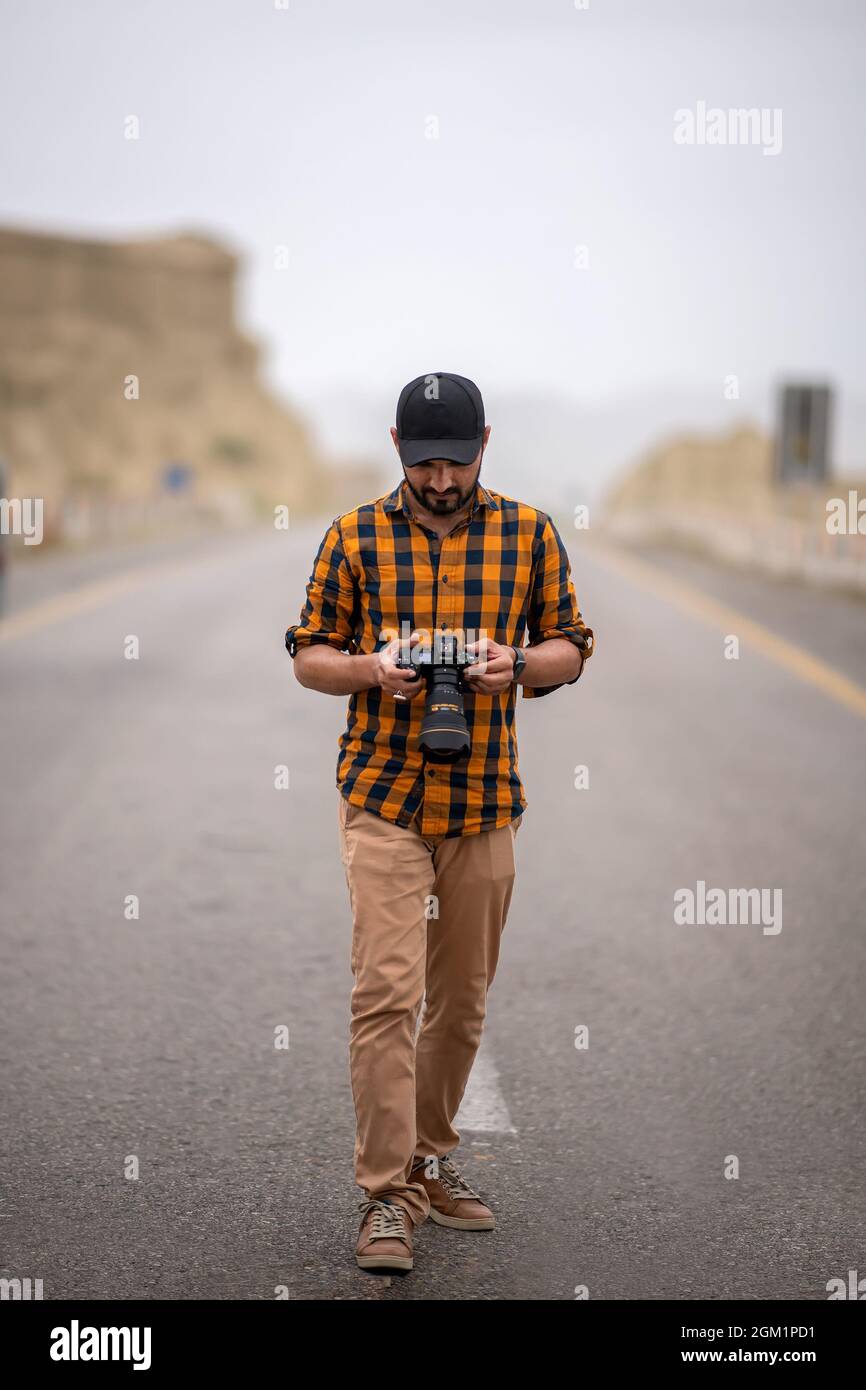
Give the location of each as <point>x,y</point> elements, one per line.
<point>150,1040</point>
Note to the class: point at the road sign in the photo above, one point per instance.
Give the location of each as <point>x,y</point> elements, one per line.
<point>803,434</point>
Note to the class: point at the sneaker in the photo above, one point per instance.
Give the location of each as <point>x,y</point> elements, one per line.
<point>384,1236</point>
<point>452,1201</point>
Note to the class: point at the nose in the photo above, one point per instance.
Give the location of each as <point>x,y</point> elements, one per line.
<point>443,481</point>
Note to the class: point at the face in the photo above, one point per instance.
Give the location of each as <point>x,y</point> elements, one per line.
<point>441,486</point>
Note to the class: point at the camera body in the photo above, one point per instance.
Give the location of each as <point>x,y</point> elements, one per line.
<point>442,662</point>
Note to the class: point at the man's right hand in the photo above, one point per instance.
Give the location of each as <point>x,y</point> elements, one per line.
<point>394,680</point>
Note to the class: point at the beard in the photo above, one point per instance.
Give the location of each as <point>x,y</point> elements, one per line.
<point>444,503</point>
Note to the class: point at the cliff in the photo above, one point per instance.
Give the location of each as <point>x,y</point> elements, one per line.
<point>78,318</point>
<point>732,472</point>
<point>719,495</point>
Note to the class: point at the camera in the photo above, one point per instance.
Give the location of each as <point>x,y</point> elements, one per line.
<point>444,731</point>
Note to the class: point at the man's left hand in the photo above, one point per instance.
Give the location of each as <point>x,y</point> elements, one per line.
<point>496,671</point>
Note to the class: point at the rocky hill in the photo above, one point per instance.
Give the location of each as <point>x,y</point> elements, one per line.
<point>719,495</point>
<point>79,319</point>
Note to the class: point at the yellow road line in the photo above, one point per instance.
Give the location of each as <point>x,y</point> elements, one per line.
<point>719,615</point>
<point>81,600</point>
<point>710,611</point>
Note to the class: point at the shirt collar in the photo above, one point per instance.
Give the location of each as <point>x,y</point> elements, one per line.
<point>395,501</point>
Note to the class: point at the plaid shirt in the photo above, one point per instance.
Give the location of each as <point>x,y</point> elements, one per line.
<point>504,573</point>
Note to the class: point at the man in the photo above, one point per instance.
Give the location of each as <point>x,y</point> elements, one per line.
<point>428,847</point>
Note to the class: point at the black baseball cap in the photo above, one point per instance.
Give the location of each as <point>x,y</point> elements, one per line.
<point>440,416</point>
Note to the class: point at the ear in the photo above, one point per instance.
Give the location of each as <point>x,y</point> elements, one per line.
<point>396,438</point>
<point>486,435</point>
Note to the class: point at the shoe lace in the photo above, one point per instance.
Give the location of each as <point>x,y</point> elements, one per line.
<point>388,1219</point>
<point>451,1179</point>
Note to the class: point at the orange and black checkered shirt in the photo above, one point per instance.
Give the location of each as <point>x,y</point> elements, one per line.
<point>502,573</point>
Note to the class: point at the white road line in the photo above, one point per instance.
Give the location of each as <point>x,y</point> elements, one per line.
<point>483,1109</point>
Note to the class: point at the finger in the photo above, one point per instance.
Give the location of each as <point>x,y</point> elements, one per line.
<point>410,687</point>
<point>491,685</point>
<point>499,667</point>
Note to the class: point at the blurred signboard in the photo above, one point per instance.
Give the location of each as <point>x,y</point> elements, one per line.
<point>177,477</point>
<point>803,434</point>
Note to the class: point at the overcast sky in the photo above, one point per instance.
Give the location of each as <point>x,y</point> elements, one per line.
<point>308,127</point>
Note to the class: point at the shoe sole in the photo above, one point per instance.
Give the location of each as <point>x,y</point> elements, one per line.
<point>385,1261</point>
<point>463,1223</point>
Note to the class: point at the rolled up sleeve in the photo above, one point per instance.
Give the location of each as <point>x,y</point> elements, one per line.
<point>553,609</point>
<point>328,615</point>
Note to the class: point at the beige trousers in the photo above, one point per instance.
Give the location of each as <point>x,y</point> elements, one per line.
<point>427,916</point>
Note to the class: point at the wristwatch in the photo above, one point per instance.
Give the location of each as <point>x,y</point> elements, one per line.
<point>519,661</point>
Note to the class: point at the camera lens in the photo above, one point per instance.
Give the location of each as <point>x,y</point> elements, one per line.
<point>444,731</point>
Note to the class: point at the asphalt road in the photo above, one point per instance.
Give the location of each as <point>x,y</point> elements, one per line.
<point>153,1039</point>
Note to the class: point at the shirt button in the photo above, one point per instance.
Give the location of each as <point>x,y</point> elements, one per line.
<point>445,579</point>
